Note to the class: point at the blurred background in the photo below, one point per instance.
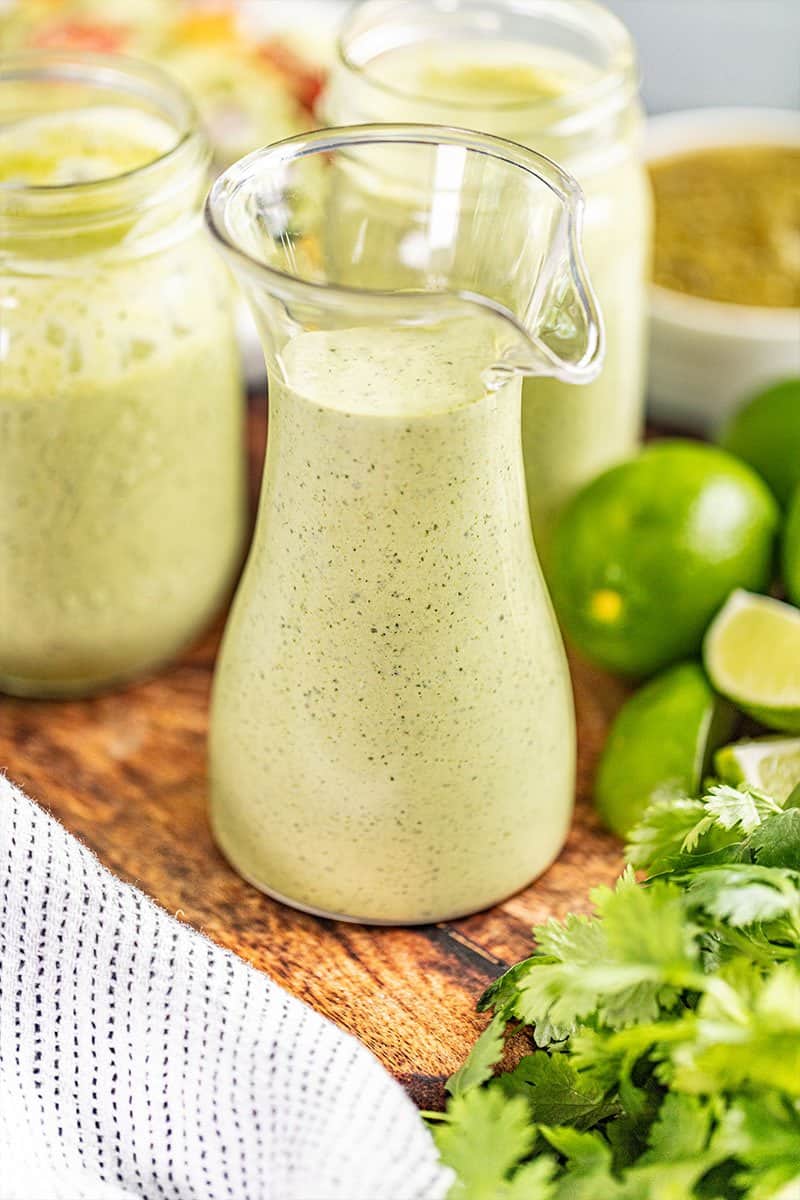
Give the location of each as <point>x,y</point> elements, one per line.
<point>693,52</point>
<point>257,68</point>
<point>711,52</point>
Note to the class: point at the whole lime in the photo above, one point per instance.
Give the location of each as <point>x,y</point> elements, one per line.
<point>646,553</point>
<point>791,549</point>
<point>660,744</point>
<point>765,432</point>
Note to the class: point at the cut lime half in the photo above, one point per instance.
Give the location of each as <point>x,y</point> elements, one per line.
<point>770,764</point>
<point>752,656</point>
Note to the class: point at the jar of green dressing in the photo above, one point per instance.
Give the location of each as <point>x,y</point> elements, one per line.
<point>558,76</point>
<point>121,458</point>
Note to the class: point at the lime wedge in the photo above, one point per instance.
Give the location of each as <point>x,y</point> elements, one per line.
<point>659,744</point>
<point>752,655</point>
<point>771,764</point>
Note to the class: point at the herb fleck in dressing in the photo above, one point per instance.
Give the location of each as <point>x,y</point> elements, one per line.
<point>392,732</point>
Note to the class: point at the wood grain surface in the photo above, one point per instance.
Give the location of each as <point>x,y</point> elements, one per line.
<point>126,773</point>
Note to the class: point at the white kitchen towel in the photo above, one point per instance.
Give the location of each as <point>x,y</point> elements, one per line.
<point>137,1059</point>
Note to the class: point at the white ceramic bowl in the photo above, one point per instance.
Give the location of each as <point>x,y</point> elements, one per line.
<point>705,356</point>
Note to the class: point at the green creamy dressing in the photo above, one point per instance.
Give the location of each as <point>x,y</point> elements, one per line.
<point>498,74</point>
<point>392,730</point>
<point>121,478</point>
<point>80,145</point>
<point>509,89</point>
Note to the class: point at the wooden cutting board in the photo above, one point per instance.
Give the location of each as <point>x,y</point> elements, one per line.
<point>126,774</point>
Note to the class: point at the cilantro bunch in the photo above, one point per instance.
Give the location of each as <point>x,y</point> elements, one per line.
<point>662,1034</point>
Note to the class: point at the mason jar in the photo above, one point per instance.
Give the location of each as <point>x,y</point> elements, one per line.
<point>121,417</point>
<point>560,77</point>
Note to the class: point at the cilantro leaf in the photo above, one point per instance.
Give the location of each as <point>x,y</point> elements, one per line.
<point>658,838</point>
<point>647,925</point>
<point>585,1151</point>
<point>776,842</point>
<point>761,1130</point>
<point>484,1137</point>
<point>576,938</point>
<point>679,833</point>
<point>742,1041</point>
<point>764,1134</point>
<point>667,1180</point>
<point>503,992</point>
<point>556,1093</point>
<point>677,1010</point>
<point>533,1181</point>
<point>588,1172</point>
<point>595,1183</point>
<point>485,1054</point>
<point>555,998</point>
<point>744,808</point>
<point>744,893</point>
<point>619,970</point>
<point>681,1130</point>
<point>778,1182</point>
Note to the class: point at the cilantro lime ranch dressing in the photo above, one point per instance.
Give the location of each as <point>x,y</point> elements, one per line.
<point>121,510</point>
<point>392,732</point>
<point>392,735</point>
<point>561,79</point>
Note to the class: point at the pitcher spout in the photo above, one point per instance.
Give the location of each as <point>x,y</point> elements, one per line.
<point>567,322</point>
<point>560,335</point>
<point>555,324</point>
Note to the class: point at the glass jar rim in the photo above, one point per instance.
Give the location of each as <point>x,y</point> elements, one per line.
<point>619,81</point>
<point>118,75</point>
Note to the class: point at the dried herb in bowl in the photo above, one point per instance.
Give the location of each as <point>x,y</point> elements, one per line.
<point>728,224</point>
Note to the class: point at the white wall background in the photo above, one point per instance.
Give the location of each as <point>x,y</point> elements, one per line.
<point>701,52</point>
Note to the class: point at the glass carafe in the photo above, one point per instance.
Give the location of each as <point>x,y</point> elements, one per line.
<point>558,76</point>
<point>392,733</point>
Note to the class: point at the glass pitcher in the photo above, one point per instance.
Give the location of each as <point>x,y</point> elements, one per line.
<point>392,735</point>
<point>561,77</point>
